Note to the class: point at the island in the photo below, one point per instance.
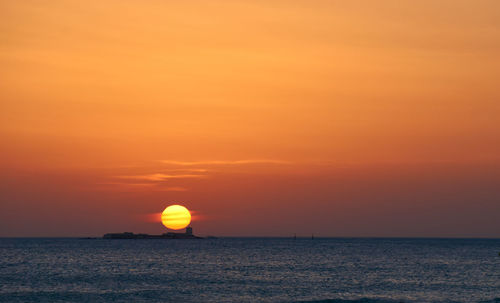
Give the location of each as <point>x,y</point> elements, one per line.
<point>170,235</point>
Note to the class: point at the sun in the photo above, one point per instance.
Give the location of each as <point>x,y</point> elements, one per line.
<point>176,217</point>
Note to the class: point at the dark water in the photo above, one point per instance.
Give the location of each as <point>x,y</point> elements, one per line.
<point>250,270</point>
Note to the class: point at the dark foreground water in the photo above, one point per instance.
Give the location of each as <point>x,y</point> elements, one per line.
<point>250,270</point>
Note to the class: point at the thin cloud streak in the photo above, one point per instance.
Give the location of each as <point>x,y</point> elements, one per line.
<point>223,162</point>
<point>128,184</point>
<point>192,170</point>
<point>142,186</point>
<point>161,177</point>
<point>174,188</point>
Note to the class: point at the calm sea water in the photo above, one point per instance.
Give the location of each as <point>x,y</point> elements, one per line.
<point>250,270</point>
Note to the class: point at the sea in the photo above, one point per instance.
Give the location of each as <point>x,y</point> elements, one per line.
<point>326,270</point>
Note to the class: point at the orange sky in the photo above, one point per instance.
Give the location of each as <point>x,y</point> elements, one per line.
<point>267,118</point>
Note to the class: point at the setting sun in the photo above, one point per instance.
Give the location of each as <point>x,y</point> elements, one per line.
<point>176,217</point>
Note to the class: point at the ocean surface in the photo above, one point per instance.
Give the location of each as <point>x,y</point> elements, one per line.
<point>250,270</point>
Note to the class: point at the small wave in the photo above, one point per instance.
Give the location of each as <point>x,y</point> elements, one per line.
<point>362,300</point>
<point>376,300</point>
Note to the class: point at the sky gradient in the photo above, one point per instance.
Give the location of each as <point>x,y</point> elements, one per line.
<point>265,118</point>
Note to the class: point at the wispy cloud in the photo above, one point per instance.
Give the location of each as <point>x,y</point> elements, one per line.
<point>177,170</point>
<point>173,188</point>
<point>161,177</point>
<point>128,184</point>
<point>142,186</point>
<point>224,162</point>
<point>191,170</point>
